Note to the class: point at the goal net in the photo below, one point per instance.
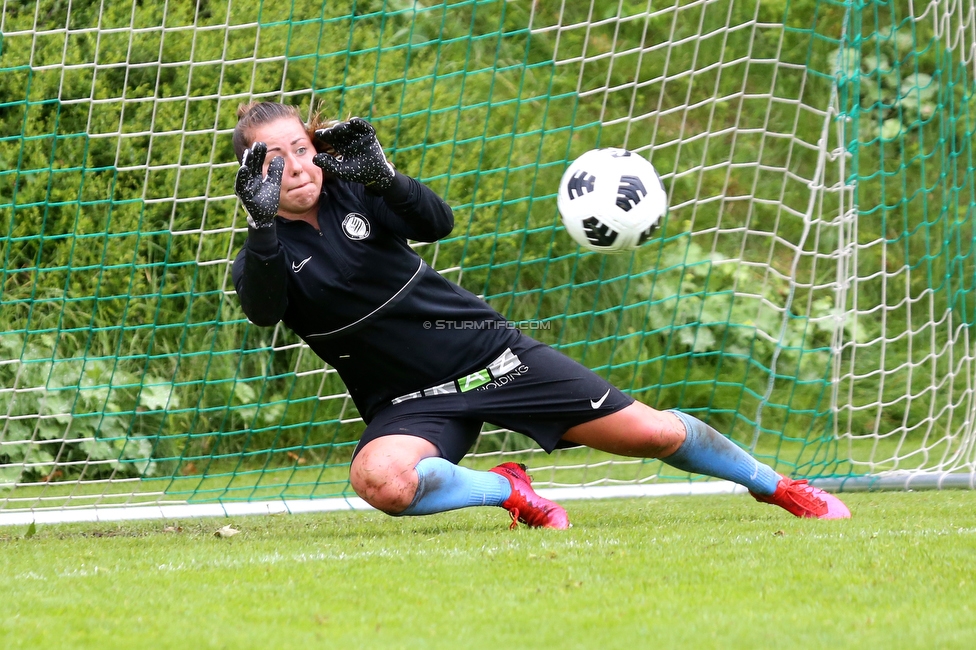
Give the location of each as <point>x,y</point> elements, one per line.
<point>811,293</point>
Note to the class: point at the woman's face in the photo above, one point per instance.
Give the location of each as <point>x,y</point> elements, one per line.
<point>301,183</point>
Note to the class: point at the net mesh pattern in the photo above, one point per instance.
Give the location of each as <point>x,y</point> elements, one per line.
<point>810,294</point>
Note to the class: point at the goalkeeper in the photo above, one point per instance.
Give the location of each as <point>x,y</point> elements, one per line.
<point>426,362</point>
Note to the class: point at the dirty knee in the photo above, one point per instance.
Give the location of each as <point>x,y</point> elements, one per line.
<point>389,487</point>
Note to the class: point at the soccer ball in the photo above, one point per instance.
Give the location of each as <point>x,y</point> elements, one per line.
<point>611,200</point>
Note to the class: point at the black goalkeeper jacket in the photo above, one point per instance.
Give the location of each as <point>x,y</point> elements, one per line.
<point>362,299</point>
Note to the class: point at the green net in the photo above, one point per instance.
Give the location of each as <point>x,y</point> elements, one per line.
<point>811,293</point>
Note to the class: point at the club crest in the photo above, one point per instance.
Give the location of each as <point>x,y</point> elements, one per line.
<point>355,226</point>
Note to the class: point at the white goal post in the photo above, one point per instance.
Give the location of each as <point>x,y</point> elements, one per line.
<point>811,293</point>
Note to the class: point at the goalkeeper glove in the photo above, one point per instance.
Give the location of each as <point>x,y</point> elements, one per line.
<point>259,193</point>
<point>358,155</point>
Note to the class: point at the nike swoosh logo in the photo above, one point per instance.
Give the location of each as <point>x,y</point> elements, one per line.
<point>298,267</point>
<point>599,403</point>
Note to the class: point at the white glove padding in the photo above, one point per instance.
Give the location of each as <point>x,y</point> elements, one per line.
<point>358,155</point>
<point>259,193</point>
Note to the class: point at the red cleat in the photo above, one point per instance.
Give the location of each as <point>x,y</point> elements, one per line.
<point>804,500</point>
<point>525,505</point>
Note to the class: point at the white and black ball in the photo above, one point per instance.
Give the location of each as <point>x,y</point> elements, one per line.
<point>611,200</point>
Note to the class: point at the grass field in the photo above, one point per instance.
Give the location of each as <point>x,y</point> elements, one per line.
<point>696,572</point>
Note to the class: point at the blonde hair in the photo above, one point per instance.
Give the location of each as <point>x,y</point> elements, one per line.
<point>254,114</point>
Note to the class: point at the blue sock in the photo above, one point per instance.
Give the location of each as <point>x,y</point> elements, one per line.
<point>706,451</point>
<point>445,486</point>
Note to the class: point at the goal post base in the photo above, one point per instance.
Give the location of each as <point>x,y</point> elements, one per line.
<point>171,511</point>
<point>902,482</point>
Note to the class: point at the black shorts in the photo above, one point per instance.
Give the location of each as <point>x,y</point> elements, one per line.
<point>530,388</point>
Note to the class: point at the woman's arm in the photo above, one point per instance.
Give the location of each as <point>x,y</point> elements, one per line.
<point>261,277</point>
<point>412,210</point>
<point>260,272</point>
<point>405,205</point>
